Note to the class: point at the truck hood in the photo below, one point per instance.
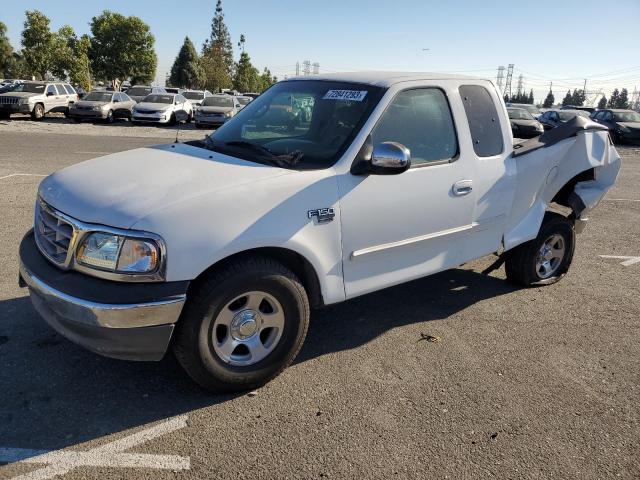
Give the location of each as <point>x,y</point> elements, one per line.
<point>208,109</point>
<point>118,190</point>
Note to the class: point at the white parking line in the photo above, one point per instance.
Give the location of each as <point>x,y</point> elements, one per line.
<point>621,200</point>
<point>22,175</point>
<point>110,455</point>
<point>628,261</point>
<point>96,153</point>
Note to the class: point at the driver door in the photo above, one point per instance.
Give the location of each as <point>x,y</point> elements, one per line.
<point>401,227</point>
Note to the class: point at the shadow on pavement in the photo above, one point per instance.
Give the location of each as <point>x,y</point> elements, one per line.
<point>55,394</point>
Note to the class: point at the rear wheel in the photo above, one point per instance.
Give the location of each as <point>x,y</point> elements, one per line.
<point>38,112</point>
<point>242,326</point>
<point>545,259</point>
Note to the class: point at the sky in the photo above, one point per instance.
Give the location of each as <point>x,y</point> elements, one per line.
<point>564,41</point>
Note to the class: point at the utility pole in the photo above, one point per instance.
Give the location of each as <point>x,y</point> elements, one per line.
<point>507,85</point>
<point>297,69</point>
<point>500,77</point>
<point>316,68</point>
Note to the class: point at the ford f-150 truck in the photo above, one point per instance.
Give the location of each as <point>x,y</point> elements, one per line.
<point>322,189</point>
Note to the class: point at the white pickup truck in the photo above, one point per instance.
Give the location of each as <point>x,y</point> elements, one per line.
<point>322,189</point>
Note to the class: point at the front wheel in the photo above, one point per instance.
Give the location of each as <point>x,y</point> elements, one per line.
<point>38,112</point>
<point>545,259</point>
<point>242,326</point>
<point>109,118</point>
<point>189,117</point>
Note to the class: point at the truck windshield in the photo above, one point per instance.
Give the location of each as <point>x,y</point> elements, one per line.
<point>519,114</point>
<point>627,117</point>
<point>98,97</point>
<point>30,88</point>
<point>299,124</point>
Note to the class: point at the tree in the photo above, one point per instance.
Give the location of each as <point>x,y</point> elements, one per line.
<point>530,100</point>
<point>613,99</point>
<point>266,80</point>
<point>567,99</point>
<point>603,102</point>
<point>548,101</point>
<point>6,51</point>
<point>623,99</point>
<point>217,54</point>
<point>37,43</point>
<point>246,77</point>
<point>186,71</point>
<point>122,47</point>
<point>80,69</point>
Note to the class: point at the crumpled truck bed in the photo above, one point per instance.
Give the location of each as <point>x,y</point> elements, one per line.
<point>578,156</point>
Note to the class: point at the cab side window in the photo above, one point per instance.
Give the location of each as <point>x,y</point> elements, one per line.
<point>61,90</point>
<point>51,89</point>
<point>421,120</point>
<point>483,119</point>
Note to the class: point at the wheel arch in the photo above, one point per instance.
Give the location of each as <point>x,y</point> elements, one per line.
<point>294,261</point>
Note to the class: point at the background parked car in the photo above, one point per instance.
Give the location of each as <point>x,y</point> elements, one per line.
<point>196,96</point>
<point>102,105</point>
<point>532,109</point>
<point>139,92</point>
<point>174,90</point>
<point>38,99</point>
<point>167,108</point>
<point>251,94</point>
<point>556,117</point>
<point>574,107</point>
<point>523,125</point>
<point>216,110</point>
<point>623,125</point>
<point>243,100</point>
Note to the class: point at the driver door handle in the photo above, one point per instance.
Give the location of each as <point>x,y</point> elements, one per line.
<point>463,187</point>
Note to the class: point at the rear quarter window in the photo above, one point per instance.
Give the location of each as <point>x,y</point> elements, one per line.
<point>484,123</point>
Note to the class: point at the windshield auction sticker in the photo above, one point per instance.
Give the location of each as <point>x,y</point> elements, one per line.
<point>351,95</point>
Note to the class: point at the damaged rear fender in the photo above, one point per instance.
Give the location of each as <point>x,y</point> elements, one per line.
<point>576,172</point>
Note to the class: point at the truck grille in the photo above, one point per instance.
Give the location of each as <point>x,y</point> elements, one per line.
<point>53,234</point>
<point>9,100</point>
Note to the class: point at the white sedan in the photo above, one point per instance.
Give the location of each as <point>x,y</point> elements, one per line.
<point>167,108</point>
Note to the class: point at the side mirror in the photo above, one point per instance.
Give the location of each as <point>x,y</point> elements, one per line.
<point>390,158</point>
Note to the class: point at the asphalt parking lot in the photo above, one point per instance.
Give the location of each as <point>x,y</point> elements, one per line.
<point>458,375</point>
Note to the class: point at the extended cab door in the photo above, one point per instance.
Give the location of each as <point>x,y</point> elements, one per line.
<point>400,227</point>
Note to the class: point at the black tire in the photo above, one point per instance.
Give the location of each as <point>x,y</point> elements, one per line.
<point>173,120</point>
<point>77,120</point>
<point>520,263</point>
<point>189,117</point>
<point>38,112</point>
<point>198,125</point>
<point>109,118</point>
<point>193,339</point>
<point>5,115</point>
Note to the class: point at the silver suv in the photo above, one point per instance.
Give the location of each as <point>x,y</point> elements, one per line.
<point>38,99</point>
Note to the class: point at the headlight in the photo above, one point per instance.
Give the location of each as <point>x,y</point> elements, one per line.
<point>98,108</point>
<point>228,114</point>
<point>117,253</point>
<point>24,101</point>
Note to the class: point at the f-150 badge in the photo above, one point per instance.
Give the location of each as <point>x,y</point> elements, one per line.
<point>323,215</point>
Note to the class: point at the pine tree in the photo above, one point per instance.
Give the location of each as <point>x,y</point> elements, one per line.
<point>548,101</point>
<point>602,103</point>
<point>568,98</point>
<point>623,99</point>
<point>530,100</point>
<point>246,77</point>
<point>506,98</point>
<point>266,80</point>
<point>217,53</point>
<point>613,99</point>
<point>186,71</point>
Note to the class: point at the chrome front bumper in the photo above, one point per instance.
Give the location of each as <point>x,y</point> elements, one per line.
<point>126,331</point>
